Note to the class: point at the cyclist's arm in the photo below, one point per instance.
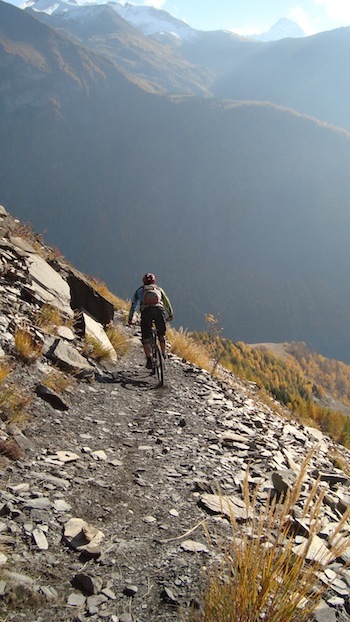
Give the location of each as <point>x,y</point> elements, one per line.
<point>167,304</point>
<point>135,303</point>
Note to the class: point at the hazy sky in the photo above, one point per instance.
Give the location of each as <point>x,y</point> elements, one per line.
<point>252,16</point>
<point>247,17</point>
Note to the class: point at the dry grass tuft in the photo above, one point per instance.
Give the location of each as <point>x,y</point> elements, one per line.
<point>13,405</point>
<point>118,303</point>
<point>58,381</point>
<point>10,449</point>
<point>23,598</point>
<point>340,462</point>
<point>26,349</point>
<point>5,370</point>
<point>118,339</point>
<point>26,231</point>
<point>94,349</point>
<point>187,348</point>
<point>48,316</point>
<point>261,575</point>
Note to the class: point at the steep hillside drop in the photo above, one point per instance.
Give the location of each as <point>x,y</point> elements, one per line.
<point>240,208</point>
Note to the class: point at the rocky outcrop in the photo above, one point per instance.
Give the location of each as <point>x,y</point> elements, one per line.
<point>47,285</point>
<point>85,298</point>
<point>89,326</point>
<point>68,358</point>
<point>28,282</point>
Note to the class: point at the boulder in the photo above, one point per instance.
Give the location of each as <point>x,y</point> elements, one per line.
<point>83,537</point>
<point>283,480</point>
<point>85,297</point>
<point>314,550</point>
<point>324,613</point>
<point>227,506</point>
<point>47,285</point>
<point>66,333</point>
<point>22,245</point>
<point>68,358</point>
<point>87,584</point>
<point>51,396</point>
<point>94,329</point>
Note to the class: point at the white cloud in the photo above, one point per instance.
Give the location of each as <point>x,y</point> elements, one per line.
<point>157,4</point>
<point>246,31</point>
<point>298,15</point>
<point>338,10</point>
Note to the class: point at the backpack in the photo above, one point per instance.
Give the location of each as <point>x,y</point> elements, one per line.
<point>151,296</point>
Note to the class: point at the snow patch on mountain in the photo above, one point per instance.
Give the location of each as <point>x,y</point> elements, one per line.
<point>49,6</point>
<point>153,21</point>
<point>148,20</point>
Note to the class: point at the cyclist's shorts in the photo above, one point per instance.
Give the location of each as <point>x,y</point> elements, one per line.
<point>147,316</point>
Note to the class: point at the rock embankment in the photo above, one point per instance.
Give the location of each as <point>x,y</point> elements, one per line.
<point>102,513</point>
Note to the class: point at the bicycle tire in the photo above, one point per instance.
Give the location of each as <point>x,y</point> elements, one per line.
<point>160,366</point>
<point>154,351</point>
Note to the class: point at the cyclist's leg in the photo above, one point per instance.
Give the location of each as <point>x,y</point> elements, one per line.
<point>161,328</point>
<point>146,323</point>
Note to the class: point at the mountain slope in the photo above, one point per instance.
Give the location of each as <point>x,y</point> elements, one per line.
<point>102,29</point>
<point>309,75</point>
<point>38,65</point>
<point>313,387</point>
<point>238,208</point>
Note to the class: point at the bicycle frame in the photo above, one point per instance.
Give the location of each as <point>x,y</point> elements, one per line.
<point>157,357</point>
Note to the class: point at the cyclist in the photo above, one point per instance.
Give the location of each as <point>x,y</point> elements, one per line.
<point>154,306</point>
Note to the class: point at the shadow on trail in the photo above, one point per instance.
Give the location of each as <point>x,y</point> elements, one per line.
<point>131,379</point>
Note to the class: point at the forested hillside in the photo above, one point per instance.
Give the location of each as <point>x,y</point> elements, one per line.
<point>307,74</point>
<point>313,387</point>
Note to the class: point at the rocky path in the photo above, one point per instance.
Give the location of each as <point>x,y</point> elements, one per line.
<point>139,466</point>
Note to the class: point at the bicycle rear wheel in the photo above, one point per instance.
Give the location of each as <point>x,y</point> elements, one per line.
<point>159,366</point>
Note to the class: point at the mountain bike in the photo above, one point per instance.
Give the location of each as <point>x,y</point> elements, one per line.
<point>158,363</point>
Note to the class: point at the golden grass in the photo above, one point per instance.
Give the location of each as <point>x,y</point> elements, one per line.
<point>13,404</point>
<point>5,370</point>
<point>26,349</point>
<point>58,381</point>
<point>118,339</point>
<point>48,316</point>
<point>340,462</point>
<point>187,348</point>
<point>260,576</point>
<point>118,303</point>
<point>25,231</point>
<point>94,349</point>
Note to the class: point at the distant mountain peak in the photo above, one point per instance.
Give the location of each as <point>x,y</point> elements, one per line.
<point>151,21</point>
<point>146,19</point>
<point>49,6</point>
<point>282,29</point>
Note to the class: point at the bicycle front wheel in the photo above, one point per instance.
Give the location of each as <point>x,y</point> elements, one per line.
<point>160,366</point>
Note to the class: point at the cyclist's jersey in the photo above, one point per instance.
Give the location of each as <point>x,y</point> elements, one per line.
<point>136,302</point>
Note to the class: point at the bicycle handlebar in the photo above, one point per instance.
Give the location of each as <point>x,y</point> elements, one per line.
<point>138,321</point>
